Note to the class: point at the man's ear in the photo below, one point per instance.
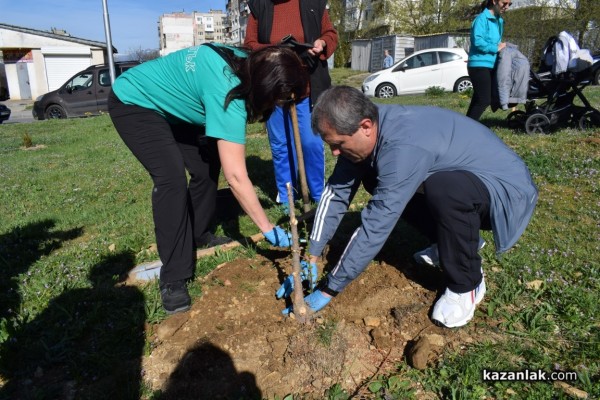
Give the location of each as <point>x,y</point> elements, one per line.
<point>367,126</point>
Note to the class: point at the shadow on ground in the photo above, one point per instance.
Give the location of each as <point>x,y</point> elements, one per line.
<point>207,372</point>
<point>86,344</point>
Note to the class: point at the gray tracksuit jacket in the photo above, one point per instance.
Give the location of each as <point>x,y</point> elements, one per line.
<point>413,143</point>
<point>512,75</point>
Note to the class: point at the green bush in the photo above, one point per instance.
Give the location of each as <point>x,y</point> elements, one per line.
<point>434,91</point>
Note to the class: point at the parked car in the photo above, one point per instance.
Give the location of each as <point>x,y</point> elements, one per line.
<point>86,93</point>
<point>596,70</point>
<point>441,67</point>
<point>4,113</point>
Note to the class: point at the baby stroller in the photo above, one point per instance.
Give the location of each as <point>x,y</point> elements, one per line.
<point>553,90</point>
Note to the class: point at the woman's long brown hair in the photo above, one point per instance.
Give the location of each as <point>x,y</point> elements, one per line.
<point>267,77</point>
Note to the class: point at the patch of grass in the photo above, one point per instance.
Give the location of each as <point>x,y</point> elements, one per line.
<point>434,91</point>
<point>27,141</point>
<point>249,287</point>
<point>460,375</point>
<point>206,264</point>
<point>391,387</point>
<point>347,76</point>
<point>325,331</point>
<point>336,392</point>
<point>153,305</point>
<point>217,282</point>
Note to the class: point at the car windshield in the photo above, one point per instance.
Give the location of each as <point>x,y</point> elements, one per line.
<point>81,81</point>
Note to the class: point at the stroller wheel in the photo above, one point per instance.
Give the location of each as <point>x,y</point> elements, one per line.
<point>516,119</point>
<point>589,120</point>
<point>537,123</point>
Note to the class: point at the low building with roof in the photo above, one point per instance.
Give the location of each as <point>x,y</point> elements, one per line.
<point>34,62</point>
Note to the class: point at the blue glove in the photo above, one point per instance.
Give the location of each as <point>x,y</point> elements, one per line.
<point>287,286</point>
<point>316,301</point>
<point>279,237</point>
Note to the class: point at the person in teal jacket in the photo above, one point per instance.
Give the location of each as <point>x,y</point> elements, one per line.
<point>186,113</point>
<point>486,42</point>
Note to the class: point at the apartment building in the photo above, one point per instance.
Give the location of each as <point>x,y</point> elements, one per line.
<point>180,30</point>
<point>237,11</point>
<point>176,31</point>
<point>210,26</point>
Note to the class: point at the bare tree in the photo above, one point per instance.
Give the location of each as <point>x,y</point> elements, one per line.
<point>586,15</point>
<point>431,16</point>
<point>144,55</point>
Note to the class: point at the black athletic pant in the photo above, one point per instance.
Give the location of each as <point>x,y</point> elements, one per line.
<point>454,207</point>
<point>180,209</point>
<point>482,80</point>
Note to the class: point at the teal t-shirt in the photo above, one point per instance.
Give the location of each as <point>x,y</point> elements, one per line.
<point>190,86</point>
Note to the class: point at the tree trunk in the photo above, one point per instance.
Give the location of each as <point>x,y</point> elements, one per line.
<point>300,156</point>
<point>301,311</point>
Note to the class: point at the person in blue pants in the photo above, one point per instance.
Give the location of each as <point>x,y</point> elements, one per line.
<point>299,24</point>
<point>283,150</point>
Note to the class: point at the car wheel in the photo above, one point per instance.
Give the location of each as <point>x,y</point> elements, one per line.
<point>462,85</point>
<point>537,123</point>
<point>385,91</point>
<point>596,77</point>
<point>55,112</point>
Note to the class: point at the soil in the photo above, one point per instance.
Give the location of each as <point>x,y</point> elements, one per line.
<point>235,343</point>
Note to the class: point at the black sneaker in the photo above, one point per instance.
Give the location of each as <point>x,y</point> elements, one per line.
<point>207,240</point>
<point>175,297</point>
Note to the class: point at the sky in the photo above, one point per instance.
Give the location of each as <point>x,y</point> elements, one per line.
<point>133,23</point>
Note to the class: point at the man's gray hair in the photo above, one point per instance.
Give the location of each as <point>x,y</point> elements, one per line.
<point>342,108</point>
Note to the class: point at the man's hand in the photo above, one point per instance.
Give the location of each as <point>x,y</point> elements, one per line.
<point>279,237</point>
<point>316,301</point>
<point>308,272</point>
<point>318,47</point>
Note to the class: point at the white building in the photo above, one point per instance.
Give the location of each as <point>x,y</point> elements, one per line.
<point>181,30</point>
<point>176,31</point>
<point>211,27</point>
<point>237,21</point>
<point>36,62</point>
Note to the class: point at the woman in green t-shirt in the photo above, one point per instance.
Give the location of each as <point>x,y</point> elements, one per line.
<point>188,111</point>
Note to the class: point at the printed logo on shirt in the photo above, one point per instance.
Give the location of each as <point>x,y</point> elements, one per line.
<point>190,59</point>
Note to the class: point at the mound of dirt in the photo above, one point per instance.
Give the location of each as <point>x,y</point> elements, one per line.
<point>235,343</point>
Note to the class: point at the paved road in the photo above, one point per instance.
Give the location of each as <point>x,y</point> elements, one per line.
<point>20,111</point>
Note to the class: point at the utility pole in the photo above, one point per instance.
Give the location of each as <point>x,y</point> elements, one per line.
<point>109,46</point>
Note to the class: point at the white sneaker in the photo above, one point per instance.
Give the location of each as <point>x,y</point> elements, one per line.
<point>431,256</point>
<point>457,309</point>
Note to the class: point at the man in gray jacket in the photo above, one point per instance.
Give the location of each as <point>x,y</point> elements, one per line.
<point>443,172</point>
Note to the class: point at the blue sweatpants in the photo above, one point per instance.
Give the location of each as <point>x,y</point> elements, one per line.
<point>283,150</point>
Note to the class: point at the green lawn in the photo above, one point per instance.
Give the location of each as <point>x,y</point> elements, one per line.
<point>74,215</point>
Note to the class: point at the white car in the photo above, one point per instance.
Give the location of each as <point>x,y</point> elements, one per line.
<point>441,67</point>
